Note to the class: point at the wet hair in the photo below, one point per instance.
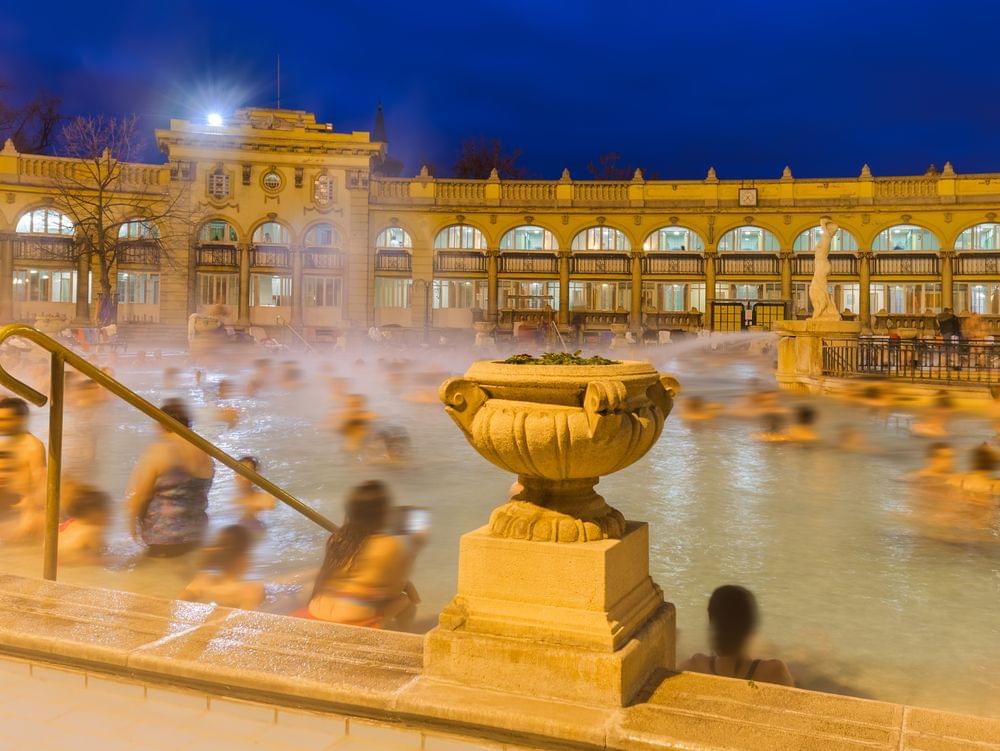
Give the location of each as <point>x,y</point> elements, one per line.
<point>228,549</point>
<point>983,458</point>
<point>805,415</point>
<point>942,400</point>
<point>253,461</point>
<point>178,410</point>
<point>773,423</point>
<point>88,503</point>
<point>17,405</point>
<point>937,447</point>
<point>732,617</point>
<point>367,511</point>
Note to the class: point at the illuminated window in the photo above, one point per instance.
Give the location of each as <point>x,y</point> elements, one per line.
<point>140,287</point>
<point>601,238</point>
<point>43,285</point>
<point>271,233</point>
<point>393,237</point>
<point>270,290</point>
<point>984,236</point>
<point>754,239</point>
<point>460,237</point>
<point>138,229</point>
<point>908,299</point>
<point>323,189</point>
<point>842,240</point>
<point>906,237</point>
<point>45,222</point>
<point>673,297</point>
<point>521,295</point>
<point>460,293</point>
<point>218,184</point>
<point>392,292</point>
<point>529,238</point>
<point>217,231</point>
<point>321,291</point>
<point>217,289</point>
<point>323,236</point>
<point>673,238</point>
<point>606,297</point>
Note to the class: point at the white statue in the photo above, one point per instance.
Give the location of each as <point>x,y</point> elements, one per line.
<point>824,308</point>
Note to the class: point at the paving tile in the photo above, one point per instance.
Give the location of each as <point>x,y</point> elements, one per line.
<point>377,733</point>
<point>115,687</point>
<point>242,709</point>
<point>329,725</point>
<point>58,676</point>
<point>11,667</point>
<point>448,743</point>
<point>291,738</point>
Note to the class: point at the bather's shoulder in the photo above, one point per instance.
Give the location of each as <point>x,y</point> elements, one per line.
<point>696,663</point>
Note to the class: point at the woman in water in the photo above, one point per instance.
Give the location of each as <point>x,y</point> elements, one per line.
<point>222,579</point>
<point>364,579</point>
<point>732,619</point>
<point>168,491</point>
<point>251,500</point>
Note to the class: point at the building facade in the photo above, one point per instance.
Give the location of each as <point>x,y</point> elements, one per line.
<point>284,221</point>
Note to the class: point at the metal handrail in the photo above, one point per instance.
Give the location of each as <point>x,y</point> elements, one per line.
<point>282,322</point>
<point>62,356</point>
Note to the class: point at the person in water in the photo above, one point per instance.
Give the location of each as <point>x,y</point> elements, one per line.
<point>940,463</point>
<point>251,500</point>
<point>22,470</point>
<point>81,535</point>
<point>981,479</point>
<point>222,579</point>
<point>354,423</point>
<point>365,576</point>
<point>168,492</point>
<point>732,620</point>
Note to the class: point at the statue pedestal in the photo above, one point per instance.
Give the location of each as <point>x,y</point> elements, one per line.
<point>800,348</point>
<point>576,621</point>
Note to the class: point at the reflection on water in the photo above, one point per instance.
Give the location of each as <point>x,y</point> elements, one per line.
<point>855,595</point>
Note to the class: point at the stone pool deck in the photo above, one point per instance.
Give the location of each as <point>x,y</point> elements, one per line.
<point>359,688</point>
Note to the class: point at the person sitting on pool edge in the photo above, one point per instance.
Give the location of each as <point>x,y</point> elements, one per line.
<point>732,619</point>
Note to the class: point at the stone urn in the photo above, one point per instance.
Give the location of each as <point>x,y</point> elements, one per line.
<point>618,335</point>
<point>484,333</point>
<point>560,428</point>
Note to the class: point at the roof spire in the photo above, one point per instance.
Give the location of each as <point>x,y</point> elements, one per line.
<point>378,132</point>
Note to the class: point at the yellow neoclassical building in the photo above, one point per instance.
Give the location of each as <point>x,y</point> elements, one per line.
<point>287,222</point>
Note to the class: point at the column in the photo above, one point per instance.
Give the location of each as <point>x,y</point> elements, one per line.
<point>786,276</point>
<point>492,283</point>
<point>947,278</point>
<point>297,297</point>
<point>83,289</point>
<point>635,312</point>
<point>6,278</point>
<point>243,314</point>
<point>864,287</point>
<point>564,261</point>
<point>709,287</point>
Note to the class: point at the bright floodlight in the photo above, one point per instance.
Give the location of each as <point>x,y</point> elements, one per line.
<point>215,119</point>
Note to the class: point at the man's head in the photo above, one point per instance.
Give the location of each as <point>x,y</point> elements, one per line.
<point>13,416</point>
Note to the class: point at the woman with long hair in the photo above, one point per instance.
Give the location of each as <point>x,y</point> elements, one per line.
<point>732,619</point>
<point>364,579</point>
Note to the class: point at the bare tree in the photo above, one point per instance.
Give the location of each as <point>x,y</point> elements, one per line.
<point>30,126</point>
<point>479,157</point>
<point>608,168</point>
<point>103,191</point>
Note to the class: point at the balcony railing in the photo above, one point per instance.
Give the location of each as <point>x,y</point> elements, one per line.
<point>393,260</point>
<point>976,263</point>
<point>601,192</point>
<point>844,264</point>
<point>600,263</point>
<point>915,360</point>
<point>925,264</point>
<point>323,258</point>
<point>528,192</point>
<point>671,320</point>
<point>271,256</point>
<point>673,263</point>
<point>217,255</point>
<point>460,260</point>
<point>44,249</point>
<point>139,252</point>
<point>734,264</point>
<point>528,263</point>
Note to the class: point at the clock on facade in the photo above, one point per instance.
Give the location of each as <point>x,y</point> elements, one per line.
<point>748,196</point>
<point>271,180</point>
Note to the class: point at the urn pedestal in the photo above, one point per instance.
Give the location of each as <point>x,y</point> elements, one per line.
<point>554,595</point>
<point>800,349</point>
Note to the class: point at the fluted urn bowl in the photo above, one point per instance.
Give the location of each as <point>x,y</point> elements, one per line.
<point>560,428</point>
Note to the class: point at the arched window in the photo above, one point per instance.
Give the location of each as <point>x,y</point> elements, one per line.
<point>271,233</point>
<point>602,238</point>
<point>460,237</point>
<point>217,231</point>
<point>138,229</point>
<point>323,235</point>
<point>393,237</point>
<point>673,238</point>
<point>749,239</point>
<point>985,236</point>
<point>45,222</point>
<point>842,240</point>
<point>527,237</point>
<point>906,237</point>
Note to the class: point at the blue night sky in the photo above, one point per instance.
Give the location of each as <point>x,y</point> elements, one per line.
<point>674,87</point>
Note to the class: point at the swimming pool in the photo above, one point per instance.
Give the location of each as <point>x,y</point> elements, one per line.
<point>854,596</point>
